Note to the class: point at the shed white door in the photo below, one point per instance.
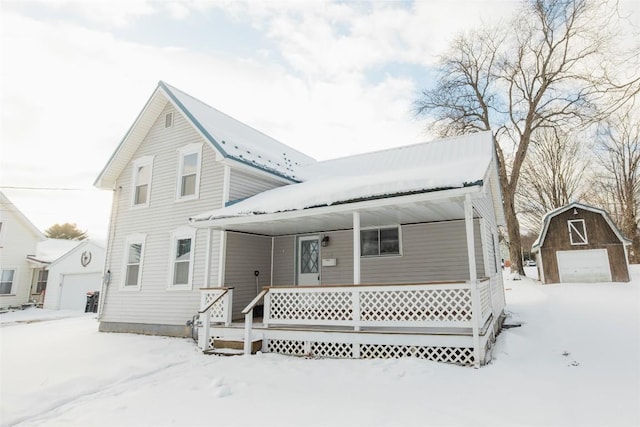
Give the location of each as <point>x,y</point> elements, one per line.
<point>73,295</point>
<point>590,265</point>
<point>309,261</point>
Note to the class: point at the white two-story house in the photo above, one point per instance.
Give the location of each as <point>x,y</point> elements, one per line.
<point>364,256</point>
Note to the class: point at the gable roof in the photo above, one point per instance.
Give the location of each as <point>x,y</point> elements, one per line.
<point>52,251</point>
<point>438,165</point>
<point>7,206</point>
<point>231,138</point>
<point>546,220</point>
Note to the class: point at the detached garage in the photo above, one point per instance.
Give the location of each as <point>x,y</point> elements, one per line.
<point>580,243</point>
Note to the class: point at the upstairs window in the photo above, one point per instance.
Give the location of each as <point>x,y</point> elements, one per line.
<point>189,172</point>
<point>134,255</point>
<point>142,171</point>
<point>380,242</point>
<point>6,281</point>
<point>577,232</point>
<point>182,248</point>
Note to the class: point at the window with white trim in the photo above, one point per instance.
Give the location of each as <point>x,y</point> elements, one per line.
<point>134,257</point>
<point>7,277</point>
<point>141,179</point>
<point>380,241</point>
<point>182,249</point>
<point>577,232</point>
<point>189,172</point>
<point>41,281</point>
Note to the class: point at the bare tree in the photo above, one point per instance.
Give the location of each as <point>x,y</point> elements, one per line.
<point>617,187</point>
<point>552,175</point>
<point>550,67</point>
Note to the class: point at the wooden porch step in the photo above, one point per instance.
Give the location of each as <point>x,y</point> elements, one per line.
<point>232,346</point>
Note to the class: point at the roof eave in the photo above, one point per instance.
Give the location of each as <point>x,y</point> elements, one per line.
<point>223,223</point>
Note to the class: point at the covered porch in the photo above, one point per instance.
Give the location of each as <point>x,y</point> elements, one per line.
<point>440,297</point>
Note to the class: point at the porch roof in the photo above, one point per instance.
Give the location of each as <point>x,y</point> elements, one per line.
<point>416,183</point>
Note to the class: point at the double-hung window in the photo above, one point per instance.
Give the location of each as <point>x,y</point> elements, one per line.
<point>7,277</point>
<point>189,172</point>
<point>134,257</point>
<point>141,178</point>
<point>577,232</point>
<point>182,250</point>
<point>41,282</point>
<point>380,241</point>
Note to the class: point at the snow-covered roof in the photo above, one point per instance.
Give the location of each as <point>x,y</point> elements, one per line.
<point>546,220</point>
<point>231,138</point>
<point>236,140</point>
<point>437,165</point>
<point>50,250</point>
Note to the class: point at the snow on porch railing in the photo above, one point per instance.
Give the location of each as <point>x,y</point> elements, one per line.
<point>358,306</point>
<point>215,307</point>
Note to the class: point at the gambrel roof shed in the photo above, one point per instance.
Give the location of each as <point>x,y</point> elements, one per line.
<point>580,243</point>
<point>233,141</point>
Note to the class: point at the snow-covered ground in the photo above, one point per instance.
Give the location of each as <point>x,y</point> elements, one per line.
<point>575,361</point>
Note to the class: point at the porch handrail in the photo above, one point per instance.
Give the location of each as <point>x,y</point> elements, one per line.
<point>214,301</point>
<point>248,319</point>
<point>255,301</point>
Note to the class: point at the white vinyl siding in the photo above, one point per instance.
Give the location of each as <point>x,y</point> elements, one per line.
<point>189,166</point>
<point>152,304</point>
<point>142,176</point>
<point>243,185</point>
<point>245,255</point>
<point>181,262</point>
<point>430,252</point>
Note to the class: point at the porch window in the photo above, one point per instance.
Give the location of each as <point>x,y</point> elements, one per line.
<point>577,232</point>
<point>6,281</point>
<point>380,242</point>
<point>133,263</point>
<point>41,282</point>
<point>142,169</point>
<point>189,171</point>
<point>182,259</point>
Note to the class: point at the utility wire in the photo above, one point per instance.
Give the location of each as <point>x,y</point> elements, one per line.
<point>47,188</point>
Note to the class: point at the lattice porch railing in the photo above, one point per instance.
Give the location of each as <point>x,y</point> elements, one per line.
<point>360,306</point>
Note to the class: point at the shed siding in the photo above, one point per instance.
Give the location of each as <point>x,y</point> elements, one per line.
<point>154,303</point>
<point>243,185</point>
<point>599,236</point>
<point>245,254</point>
<point>430,252</point>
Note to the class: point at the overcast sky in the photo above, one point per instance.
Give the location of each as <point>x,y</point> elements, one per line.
<point>327,78</point>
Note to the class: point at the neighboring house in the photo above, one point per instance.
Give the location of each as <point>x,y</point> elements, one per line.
<point>18,238</point>
<point>580,243</point>
<point>378,255</point>
<point>65,270</point>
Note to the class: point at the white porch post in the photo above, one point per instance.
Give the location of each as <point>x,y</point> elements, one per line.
<point>207,261</point>
<point>356,248</point>
<point>473,279</point>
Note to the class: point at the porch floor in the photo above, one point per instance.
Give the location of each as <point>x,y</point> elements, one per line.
<point>258,325</point>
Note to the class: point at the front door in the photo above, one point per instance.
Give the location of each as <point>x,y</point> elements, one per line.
<point>308,261</point>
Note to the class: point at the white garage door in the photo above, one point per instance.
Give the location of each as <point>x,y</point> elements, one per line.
<point>73,295</point>
<point>584,266</point>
